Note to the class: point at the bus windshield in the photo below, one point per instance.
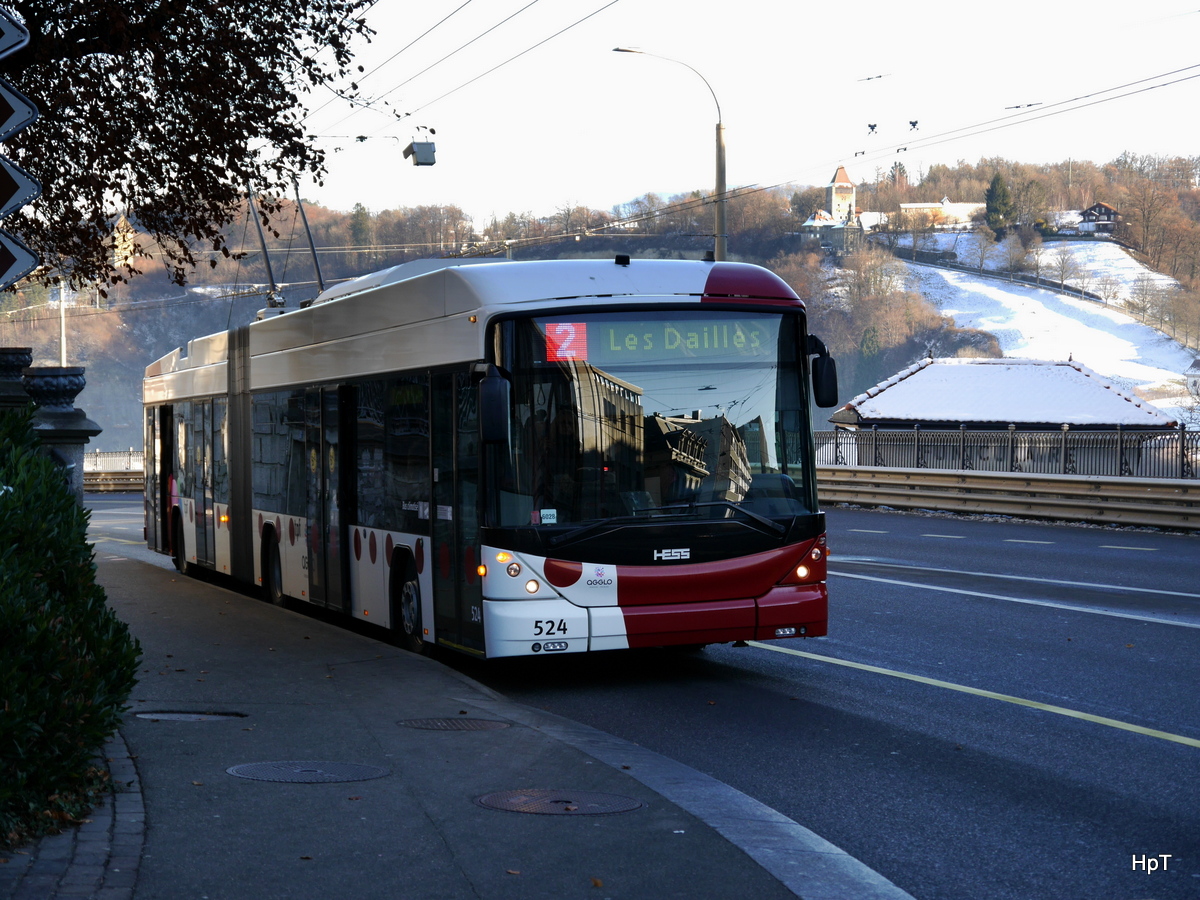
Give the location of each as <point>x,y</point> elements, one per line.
<point>690,413</point>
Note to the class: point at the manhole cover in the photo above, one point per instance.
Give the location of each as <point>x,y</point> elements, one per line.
<point>560,803</point>
<point>306,772</point>
<point>454,724</point>
<point>188,716</point>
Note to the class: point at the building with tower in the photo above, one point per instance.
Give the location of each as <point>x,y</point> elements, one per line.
<point>837,226</point>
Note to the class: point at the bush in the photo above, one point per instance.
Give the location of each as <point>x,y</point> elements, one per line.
<point>68,664</point>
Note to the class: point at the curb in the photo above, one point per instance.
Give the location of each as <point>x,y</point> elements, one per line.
<point>97,860</point>
<point>801,860</point>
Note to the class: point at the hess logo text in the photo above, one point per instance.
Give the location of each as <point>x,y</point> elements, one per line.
<point>679,553</point>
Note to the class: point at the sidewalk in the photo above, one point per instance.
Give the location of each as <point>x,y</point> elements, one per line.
<point>295,690</point>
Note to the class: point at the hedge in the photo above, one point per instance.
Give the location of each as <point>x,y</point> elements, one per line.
<point>67,664</point>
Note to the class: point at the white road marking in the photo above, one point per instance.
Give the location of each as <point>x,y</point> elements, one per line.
<point>1047,603</point>
<point>862,560</point>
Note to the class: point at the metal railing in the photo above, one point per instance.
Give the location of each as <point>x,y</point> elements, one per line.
<point>1118,453</point>
<point>113,461</point>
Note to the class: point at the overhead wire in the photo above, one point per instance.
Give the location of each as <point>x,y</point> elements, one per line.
<point>459,49</point>
<point>366,75</point>
<point>512,58</point>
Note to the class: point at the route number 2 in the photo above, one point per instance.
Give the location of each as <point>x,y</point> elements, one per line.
<point>566,341</point>
<point>549,626</point>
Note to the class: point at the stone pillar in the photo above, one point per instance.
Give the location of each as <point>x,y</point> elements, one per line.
<point>62,428</point>
<point>14,360</point>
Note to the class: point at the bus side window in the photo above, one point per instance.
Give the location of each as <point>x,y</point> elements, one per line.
<point>406,487</point>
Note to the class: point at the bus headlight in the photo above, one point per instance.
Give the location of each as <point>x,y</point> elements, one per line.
<point>532,586</point>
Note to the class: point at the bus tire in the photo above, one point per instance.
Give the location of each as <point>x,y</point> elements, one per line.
<point>178,548</point>
<point>405,592</point>
<point>272,570</point>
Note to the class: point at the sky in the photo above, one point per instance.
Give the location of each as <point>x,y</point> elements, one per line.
<point>569,122</point>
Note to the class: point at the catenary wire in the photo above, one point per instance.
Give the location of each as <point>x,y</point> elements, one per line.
<point>367,75</point>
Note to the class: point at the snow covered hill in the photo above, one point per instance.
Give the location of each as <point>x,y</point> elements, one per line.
<point>1036,323</point>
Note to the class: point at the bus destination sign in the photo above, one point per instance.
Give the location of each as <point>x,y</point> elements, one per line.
<point>610,342</point>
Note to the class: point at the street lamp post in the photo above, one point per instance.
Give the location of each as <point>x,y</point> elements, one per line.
<point>720,240</point>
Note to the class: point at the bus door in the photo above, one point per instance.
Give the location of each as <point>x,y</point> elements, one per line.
<point>202,466</point>
<point>160,456</point>
<point>324,452</point>
<point>454,436</point>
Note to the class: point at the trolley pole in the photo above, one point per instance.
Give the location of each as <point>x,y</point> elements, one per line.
<point>312,247</point>
<point>273,291</point>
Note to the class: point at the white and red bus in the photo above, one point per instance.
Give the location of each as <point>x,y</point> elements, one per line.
<point>508,458</point>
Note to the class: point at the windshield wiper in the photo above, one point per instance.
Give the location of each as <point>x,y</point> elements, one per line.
<point>600,525</point>
<point>603,525</point>
<point>761,519</point>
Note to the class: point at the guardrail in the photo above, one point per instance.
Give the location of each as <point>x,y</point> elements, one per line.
<point>1159,502</point>
<point>101,482</point>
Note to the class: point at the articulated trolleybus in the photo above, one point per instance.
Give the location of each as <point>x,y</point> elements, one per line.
<point>508,458</point>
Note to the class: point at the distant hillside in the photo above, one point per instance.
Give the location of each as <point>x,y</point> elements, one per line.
<point>116,346</point>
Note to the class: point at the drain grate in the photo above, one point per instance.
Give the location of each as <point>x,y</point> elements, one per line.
<point>560,803</point>
<point>189,716</point>
<point>307,772</point>
<point>454,724</point>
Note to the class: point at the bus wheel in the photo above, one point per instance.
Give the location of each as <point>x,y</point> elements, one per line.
<point>406,600</point>
<point>178,550</point>
<point>272,570</point>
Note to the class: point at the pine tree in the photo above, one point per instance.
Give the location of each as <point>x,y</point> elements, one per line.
<point>999,203</point>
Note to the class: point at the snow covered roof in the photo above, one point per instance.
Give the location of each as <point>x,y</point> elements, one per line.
<point>997,392</point>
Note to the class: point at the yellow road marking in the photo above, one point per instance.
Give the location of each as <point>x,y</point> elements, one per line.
<point>991,695</point>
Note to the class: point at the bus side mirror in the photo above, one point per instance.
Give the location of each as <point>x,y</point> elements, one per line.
<point>824,376</point>
<point>495,401</point>
<point>824,373</point>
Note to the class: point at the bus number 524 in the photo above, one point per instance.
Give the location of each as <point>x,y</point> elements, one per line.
<point>549,626</point>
